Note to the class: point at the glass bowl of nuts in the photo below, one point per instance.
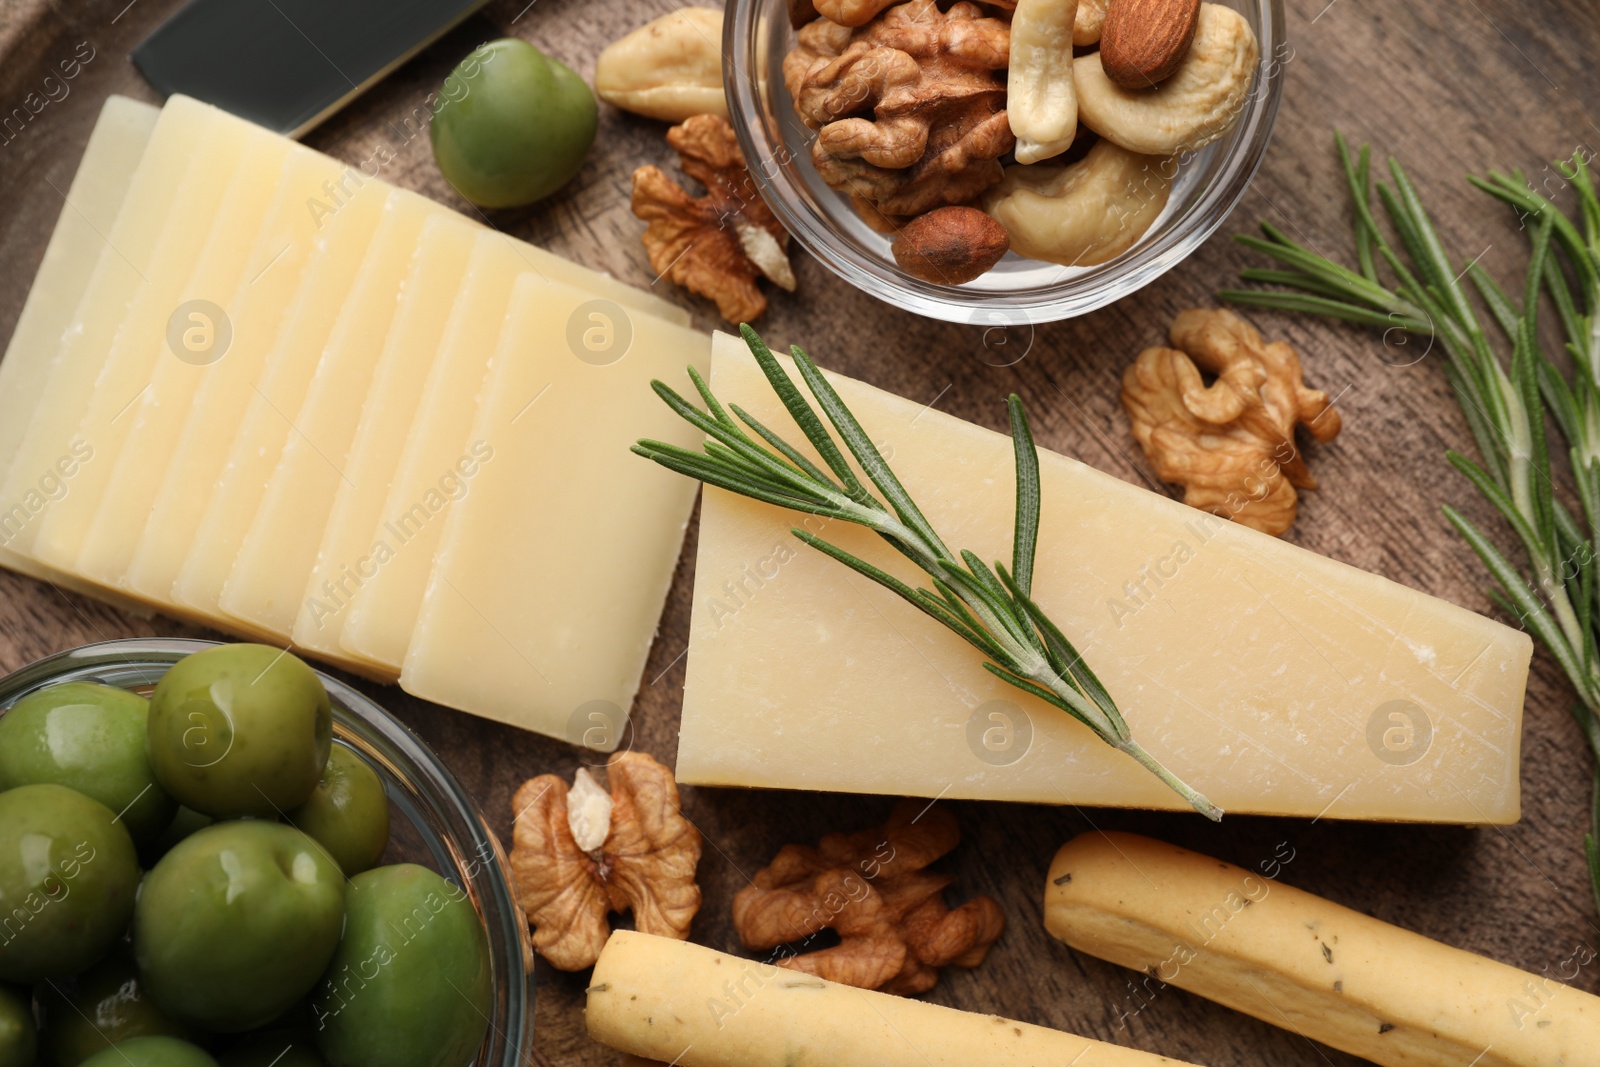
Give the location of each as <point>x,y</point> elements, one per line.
<point>432,822</point>
<point>1003,162</point>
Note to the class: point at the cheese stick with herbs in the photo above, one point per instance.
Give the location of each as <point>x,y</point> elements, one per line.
<point>673,1002</point>
<point>1305,963</point>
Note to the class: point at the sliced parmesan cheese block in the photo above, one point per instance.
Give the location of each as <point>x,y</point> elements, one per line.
<point>673,1002</point>
<point>88,214</point>
<point>1298,961</point>
<point>119,274</point>
<point>278,552</point>
<point>276,397</point>
<point>259,310</point>
<point>1272,679</point>
<point>349,555</point>
<point>554,563</point>
<point>197,338</point>
<point>384,608</point>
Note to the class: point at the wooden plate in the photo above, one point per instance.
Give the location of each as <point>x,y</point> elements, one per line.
<point>1494,85</point>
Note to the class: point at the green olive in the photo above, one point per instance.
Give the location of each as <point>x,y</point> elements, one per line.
<point>68,872</point>
<point>90,738</point>
<point>19,1041</point>
<point>237,923</point>
<point>511,125</point>
<point>151,1052</point>
<point>409,986</point>
<point>102,1006</point>
<point>348,813</point>
<point>240,730</point>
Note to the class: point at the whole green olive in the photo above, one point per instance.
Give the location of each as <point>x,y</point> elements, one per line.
<point>102,1006</point>
<point>237,923</point>
<point>90,738</point>
<point>410,984</point>
<point>348,812</point>
<point>19,1041</point>
<point>68,872</point>
<point>511,125</point>
<point>151,1052</point>
<point>240,730</point>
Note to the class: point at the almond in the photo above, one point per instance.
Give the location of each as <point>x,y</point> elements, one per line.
<point>1142,42</point>
<point>950,245</point>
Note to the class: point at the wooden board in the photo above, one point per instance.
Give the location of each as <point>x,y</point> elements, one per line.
<point>1451,88</point>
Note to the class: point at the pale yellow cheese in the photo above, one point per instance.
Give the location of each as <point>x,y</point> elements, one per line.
<point>275,399</point>
<point>381,619</point>
<point>181,365</point>
<point>349,555</point>
<point>279,551</point>
<point>88,213</point>
<point>1272,679</point>
<point>1327,973</point>
<point>59,408</point>
<point>675,1002</point>
<point>177,494</point>
<point>124,378</point>
<point>554,563</point>
<point>383,613</point>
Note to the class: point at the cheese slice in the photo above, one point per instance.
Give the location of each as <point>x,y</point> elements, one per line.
<point>88,214</point>
<point>554,563</point>
<point>349,555</point>
<point>182,363</point>
<point>120,271</point>
<point>384,610</point>
<point>125,377</point>
<point>176,494</point>
<point>279,551</point>
<point>276,398</point>
<point>1273,680</point>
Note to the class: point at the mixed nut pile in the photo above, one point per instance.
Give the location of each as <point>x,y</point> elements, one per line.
<point>919,109</point>
<point>1051,128</point>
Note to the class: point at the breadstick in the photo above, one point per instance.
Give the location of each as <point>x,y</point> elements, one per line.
<point>1307,964</point>
<point>667,1000</point>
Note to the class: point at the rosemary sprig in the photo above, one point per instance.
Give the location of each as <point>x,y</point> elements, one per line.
<point>1557,593</point>
<point>991,608</point>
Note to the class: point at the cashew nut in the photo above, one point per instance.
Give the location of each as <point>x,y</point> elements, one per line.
<point>1086,26</point>
<point>1194,107</point>
<point>1084,213</point>
<point>670,68</point>
<point>1041,104</point>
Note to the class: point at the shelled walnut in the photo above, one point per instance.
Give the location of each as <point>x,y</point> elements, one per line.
<point>1231,443</point>
<point>579,854</point>
<point>872,889</point>
<point>909,108</point>
<point>717,244</point>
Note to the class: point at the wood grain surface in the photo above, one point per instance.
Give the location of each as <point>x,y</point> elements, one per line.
<point>1451,88</point>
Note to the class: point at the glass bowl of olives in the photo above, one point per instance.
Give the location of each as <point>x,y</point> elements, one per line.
<point>288,875</point>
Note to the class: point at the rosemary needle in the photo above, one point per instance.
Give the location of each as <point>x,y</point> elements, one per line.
<point>991,608</point>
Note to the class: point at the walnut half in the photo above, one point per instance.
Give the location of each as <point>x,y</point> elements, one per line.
<point>871,888</point>
<point>1231,443</point>
<point>645,863</point>
<point>718,244</point>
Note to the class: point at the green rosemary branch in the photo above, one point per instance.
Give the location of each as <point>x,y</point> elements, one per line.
<point>1557,593</point>
<point>991,608</point>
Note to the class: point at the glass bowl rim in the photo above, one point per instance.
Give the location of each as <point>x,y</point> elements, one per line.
<point>1246,147</point>
<point>478,856</point>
